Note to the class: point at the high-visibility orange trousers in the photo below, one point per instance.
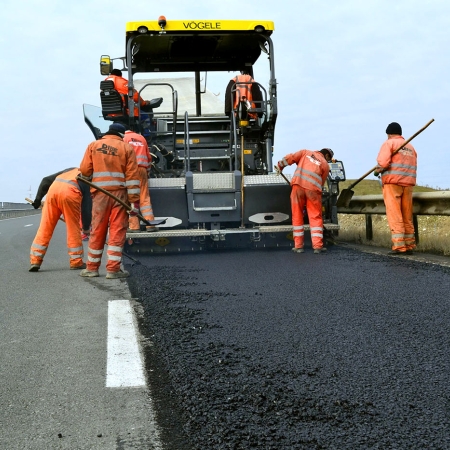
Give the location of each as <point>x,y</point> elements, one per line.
<point>145,202</point>
<point>65,200</point>
<point>399,212</point>
<point>312,201</point>
<point>107,213</point>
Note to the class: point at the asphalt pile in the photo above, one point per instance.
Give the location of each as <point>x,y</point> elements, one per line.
<point>284,359</point>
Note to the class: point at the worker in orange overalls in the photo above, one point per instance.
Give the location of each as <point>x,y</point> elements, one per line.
<point>111,163</point>
<point>66,196</point>
<point>246,91</point>
<point>121,86</point>
<point>398,178</point>
<point>144,159</point>
<point>307,181</point>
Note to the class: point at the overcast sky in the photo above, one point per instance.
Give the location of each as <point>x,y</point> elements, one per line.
<point>345,70</point>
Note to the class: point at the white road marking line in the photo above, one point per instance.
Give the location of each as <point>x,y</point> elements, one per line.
<point>124,360</point>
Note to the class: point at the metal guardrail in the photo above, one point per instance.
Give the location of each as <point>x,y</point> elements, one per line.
<point>424,204</point>
<point>12,210</point>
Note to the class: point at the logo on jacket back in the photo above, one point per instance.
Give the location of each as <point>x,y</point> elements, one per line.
<point>108,150</point>
<point>406,151</point>
<point>313,159</point>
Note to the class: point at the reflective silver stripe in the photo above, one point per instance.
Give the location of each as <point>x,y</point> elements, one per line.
<point>132,183</point>
<point>399,244</point>
<point>76,256</point>
<point>398,235</point>
<point>114,258</point>
<point>73,183</point>
<point>397,172</point>
<point>37,253</point>
<point>109,183</point>
<point>298,233</point>
<point>404,166</point>
<point>299,175</point>
<point>114,248</point>
<point>39,247</point>
<point>108,174</point>
<point>410,236</point>
<point>76,249</point>
<point>95,252</point>
<point>91,259</point>
<point>312,174</point>
<point>317,234</point>
<point>146,209</point>
<point>134,191</point>
<point>316,228</point>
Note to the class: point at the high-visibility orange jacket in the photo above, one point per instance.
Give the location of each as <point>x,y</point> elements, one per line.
<point>121,86</point>
<point>401,168</point>
<point>246,89</point>
<point>140,146</point>
<point>312,169</point>
<point>112,165</point>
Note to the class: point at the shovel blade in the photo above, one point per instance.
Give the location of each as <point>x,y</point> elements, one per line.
<point>344,198</point>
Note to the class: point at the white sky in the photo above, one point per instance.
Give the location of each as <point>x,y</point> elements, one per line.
<point>344,70</point>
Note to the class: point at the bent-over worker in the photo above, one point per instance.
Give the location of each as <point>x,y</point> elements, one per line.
<point>143,159</point>
<point>69,197</point>
<point>307,181</point>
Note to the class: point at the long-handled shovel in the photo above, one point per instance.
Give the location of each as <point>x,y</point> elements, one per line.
<point>347,194</point>
<point>126,206</point>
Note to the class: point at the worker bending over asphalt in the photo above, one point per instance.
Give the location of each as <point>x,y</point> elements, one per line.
<point>307,181</point>
<point>143,159</point>
<point>111,163</point>
<point>66,196</point>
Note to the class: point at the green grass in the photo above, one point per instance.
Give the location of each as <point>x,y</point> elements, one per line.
<point>373,187</point>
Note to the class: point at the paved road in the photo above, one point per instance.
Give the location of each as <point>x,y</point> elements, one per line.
<point>275,350</point>
<point>257,349</point>
<point>53,327</point>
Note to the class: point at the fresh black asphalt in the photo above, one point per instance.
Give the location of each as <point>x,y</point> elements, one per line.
<point>268,349</point>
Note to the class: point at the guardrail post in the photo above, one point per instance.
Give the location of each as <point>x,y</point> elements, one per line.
<point>416,228</point>
<point>369,228</point>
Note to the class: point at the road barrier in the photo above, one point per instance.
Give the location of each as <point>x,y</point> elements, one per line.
<point>424,204</point>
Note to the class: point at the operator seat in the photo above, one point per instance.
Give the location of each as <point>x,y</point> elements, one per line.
<point>113,106</point>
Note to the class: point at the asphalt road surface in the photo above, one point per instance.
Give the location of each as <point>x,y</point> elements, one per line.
<point>243,349</point>
<point>275,350</point>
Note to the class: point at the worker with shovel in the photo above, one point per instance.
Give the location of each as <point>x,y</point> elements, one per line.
<point>398,177</point>
<point>111,163</point>
<point>307,181</point>
<point>66,196</point>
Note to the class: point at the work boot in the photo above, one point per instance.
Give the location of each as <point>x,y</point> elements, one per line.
<point>88,273</point>
<point>396,252</point>
<point>120,274</point>
<point>409,252</point>
<point>82,266</point>
<point>34,268</point>
<point>151,229</point>
<point>133,230</point>
<point>298,250</point>
<point>318,251</point>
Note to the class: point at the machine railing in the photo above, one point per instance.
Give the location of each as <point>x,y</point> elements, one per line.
<point>424,204</point>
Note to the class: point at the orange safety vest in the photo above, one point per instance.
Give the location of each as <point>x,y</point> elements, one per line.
<point>312,169</point>
<point>121,86</point>
<point>112,165</point>
<point>244,92</point>
<point>140,146</point>
<point>401,168</point>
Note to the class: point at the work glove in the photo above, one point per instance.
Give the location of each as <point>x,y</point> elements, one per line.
<point>278,169</point>
<point>36,204</point>
<point>376,173</point>
<point>134,211</point>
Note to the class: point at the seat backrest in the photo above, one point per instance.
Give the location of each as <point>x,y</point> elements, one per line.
<point>112,102</point>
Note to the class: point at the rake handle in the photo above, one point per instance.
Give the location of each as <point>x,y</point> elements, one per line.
<point>393,153</point>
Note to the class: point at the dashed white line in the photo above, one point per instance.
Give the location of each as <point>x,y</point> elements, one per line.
<point>124,360</point>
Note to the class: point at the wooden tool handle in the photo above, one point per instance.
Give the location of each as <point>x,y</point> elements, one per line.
<point>393,153</point>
